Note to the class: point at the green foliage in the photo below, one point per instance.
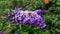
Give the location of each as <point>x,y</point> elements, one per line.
<point>52,18</point>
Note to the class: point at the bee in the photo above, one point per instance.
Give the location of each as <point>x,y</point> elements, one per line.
<point>31,14</point>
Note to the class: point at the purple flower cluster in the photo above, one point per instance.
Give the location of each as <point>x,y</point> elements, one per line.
<point>26,17</point>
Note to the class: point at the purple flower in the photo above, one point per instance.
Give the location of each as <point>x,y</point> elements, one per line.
<point>27,17</point>
<point>40,11</point>
<point>37,21</point>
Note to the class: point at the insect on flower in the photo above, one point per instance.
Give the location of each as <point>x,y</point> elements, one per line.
<point>31,14</point>
<point>27,17</point>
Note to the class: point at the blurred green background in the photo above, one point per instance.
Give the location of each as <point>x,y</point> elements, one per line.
<point>52,18</point>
